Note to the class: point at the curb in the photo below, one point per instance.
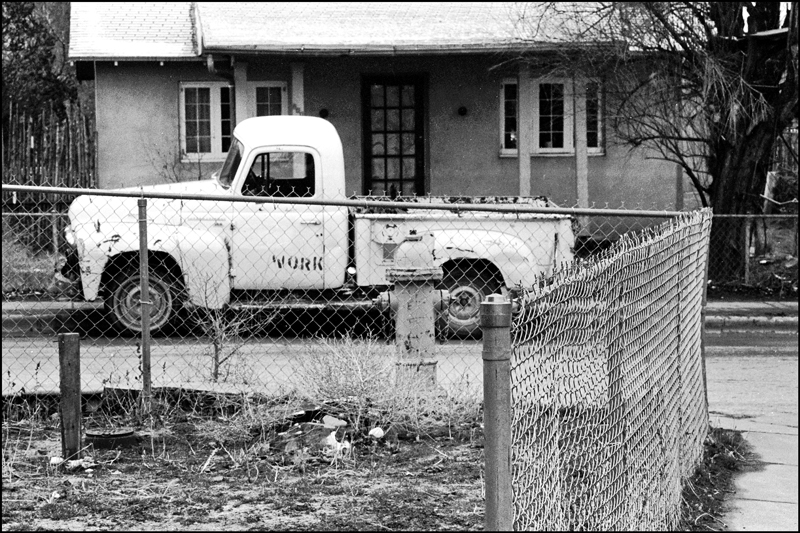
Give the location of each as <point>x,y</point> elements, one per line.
<point>786,324</point>
<point>21,325</point>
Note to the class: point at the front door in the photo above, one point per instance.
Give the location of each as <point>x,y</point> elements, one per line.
<point>394,135</point>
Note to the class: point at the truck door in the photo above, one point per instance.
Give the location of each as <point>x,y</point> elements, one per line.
<point>278,246</point>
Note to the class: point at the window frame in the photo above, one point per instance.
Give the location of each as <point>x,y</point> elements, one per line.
<point>252,88</point>
<point>568,117</point>
<point>569,105</point>
<point>600,149</point>
<point>507,152</point>
<point>216,154</point>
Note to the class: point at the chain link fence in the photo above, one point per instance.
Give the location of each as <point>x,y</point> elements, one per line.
<point>239,291</point>
<point>266,295</point>
<point>608,385</point>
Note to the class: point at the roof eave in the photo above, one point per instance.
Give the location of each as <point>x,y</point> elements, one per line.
<point>316,50</point>
<point>140,58</point>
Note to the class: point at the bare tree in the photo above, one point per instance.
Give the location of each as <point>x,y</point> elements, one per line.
<point>708,85</point>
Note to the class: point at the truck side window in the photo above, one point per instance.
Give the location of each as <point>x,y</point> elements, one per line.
<point>281,174</point>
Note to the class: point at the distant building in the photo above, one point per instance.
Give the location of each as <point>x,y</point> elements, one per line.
<point>428,98</point>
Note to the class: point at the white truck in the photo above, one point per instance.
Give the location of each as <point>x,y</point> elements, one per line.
<point>213,253</point>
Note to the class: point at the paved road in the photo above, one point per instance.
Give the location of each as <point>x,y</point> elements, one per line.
<point>260,365</point>
<point>753,376</point>
<point>268,364</point>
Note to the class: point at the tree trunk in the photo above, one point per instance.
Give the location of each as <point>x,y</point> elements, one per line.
<point>736,189</point>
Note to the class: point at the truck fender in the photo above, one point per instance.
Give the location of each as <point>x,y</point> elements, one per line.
<point>206,266</point>
<point>96,249</point>
<point>510,254</point>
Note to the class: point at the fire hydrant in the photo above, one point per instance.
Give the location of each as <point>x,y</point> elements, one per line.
<point>414,276</point>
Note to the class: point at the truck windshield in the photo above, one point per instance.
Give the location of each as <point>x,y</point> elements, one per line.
<point>231,165</point>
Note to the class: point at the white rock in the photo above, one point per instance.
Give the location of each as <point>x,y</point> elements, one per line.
<point>376,433</point>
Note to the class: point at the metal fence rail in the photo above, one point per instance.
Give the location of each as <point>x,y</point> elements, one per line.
<point>608,389</point>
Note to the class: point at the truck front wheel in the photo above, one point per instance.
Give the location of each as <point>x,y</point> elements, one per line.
<point>126,296</point>
<point>468,288</point>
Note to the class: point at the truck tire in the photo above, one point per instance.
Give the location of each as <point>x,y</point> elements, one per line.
<point>124,305</point>
<point>468,288</point>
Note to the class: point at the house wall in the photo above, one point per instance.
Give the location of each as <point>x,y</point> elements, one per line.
<point>138,125</point>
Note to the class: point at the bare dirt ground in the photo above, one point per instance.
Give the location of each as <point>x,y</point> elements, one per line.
<point>251,470</point>
<point>197,473</point>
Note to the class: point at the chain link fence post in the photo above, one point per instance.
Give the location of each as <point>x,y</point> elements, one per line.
<point>496,326</point>
<point>145,303</point>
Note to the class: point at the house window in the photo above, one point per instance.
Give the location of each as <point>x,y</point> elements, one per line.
<point>269,101</point>
<point>553,120</point>
<point>594,132</point>
<point>206,120</point>
<point>508,118</point>
<point>266,98</point>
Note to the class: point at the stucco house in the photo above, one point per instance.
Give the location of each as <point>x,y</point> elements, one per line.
<point>428,98</point>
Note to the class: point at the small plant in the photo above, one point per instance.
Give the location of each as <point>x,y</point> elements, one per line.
<point>228,333</point>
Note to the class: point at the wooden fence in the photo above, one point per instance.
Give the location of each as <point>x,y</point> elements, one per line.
<point>50,150</point>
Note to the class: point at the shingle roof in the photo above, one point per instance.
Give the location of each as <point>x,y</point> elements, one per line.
<point>169,30</point>
<point>358,26</point>
<point>131,30</point>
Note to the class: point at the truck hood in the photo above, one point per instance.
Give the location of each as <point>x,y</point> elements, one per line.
<point>97,210</point>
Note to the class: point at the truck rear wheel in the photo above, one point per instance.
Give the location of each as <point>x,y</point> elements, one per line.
<point>126,295</point>
<point>468,288</point>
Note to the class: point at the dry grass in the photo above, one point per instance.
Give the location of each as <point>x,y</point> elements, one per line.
<point>24,271</point>
<point>361,376</point>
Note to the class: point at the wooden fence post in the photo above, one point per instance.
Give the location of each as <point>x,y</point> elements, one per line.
<point>69,358</point>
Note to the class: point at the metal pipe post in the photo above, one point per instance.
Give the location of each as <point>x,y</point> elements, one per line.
<point>496,327</point>
<point>145,303</point>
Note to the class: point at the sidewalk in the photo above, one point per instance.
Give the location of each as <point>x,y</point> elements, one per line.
<point>766,494</point>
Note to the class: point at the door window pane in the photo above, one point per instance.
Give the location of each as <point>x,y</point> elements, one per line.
<point>392,96</point>
<point>378,170</point>
<point>408,143</point>
<point>376,95</point>
<point>378,122</point>
<point>409,168</point>
<point>378,146</point>
<point>393,169</point>
<point>393,144</point>
<point>393,119</point>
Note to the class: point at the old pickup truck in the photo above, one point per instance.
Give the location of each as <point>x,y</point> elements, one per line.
<point>320,251</point>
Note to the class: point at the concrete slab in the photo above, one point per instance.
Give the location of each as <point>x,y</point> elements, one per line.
<point>755,515</point>
<point>753,424</point>
<point>775,448</point>
<point>775,483</point>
